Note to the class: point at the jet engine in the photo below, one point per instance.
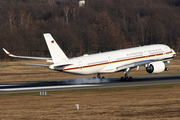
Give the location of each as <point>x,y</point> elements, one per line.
<point>156,67</point>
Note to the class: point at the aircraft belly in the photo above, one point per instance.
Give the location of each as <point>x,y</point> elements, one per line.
<point>110,68</point>
<point>86,70</point>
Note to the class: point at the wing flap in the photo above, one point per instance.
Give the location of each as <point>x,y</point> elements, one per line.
<point>58,66</point>
<point>133,65</point>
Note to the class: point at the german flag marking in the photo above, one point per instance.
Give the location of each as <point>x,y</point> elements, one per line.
<point>52,42</point>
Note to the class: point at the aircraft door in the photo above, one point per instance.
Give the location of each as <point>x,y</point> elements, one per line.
<point>166,50</point>
<point>80,65</point>
<point>109,60</point>
<point>145,54</point>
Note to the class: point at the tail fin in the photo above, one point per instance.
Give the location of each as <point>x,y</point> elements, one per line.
<point>56,53</point>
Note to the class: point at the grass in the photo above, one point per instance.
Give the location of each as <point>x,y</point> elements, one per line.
<point>140,102</point>
<point>157,102</point>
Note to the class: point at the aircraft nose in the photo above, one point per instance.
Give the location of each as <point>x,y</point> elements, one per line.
<point>174,53</point>
<point>51,67</point>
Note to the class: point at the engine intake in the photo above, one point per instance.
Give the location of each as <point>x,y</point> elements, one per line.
<point>156,67</point>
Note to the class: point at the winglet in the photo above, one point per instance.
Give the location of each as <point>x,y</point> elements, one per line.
<point>7,52</point>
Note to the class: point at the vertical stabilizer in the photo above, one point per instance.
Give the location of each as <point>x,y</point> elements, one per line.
<point>56,53</point>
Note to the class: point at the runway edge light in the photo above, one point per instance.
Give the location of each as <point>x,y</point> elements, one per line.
<point>43,93</point>
<point>76,106</point>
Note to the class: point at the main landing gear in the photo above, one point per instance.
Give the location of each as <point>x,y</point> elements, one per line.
<point>126,78</point>
<point>99,76</point>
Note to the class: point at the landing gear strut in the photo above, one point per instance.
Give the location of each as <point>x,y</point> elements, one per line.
<point>98,75</point>
<point>126,78</point>
<point>166,68</point>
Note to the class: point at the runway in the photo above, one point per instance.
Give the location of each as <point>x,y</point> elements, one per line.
<point>84,83</point>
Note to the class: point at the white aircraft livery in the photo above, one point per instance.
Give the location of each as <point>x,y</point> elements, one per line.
<point>153,57</point>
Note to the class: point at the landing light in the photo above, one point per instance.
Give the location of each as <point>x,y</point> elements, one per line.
<point>85,55</point>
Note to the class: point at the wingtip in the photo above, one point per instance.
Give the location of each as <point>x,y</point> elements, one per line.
<point>6,51</point>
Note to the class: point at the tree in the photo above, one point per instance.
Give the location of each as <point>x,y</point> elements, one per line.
<point>11,17</point>
<point>99,26</point>
<point>66,12</point>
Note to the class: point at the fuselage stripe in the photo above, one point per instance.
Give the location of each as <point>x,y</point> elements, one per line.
<point>114,62</point>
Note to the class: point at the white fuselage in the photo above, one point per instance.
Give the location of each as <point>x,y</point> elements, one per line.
<point>109,62</point>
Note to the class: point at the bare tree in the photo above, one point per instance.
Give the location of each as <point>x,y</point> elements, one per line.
<point>100,26</point>
<point>74,12</point>
<point>22,17</point>
<point>66,12</point>
<point>51,2</point>
<point>11,16</point>
<point>143,26</point>
<point>28,19</point>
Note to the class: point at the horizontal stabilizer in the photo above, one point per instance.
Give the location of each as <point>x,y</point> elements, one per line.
<point>36,64</point>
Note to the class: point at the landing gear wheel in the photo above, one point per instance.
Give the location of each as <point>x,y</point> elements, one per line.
<point>99,77</point>
<point>166,69</point>
<point>102,78</point>
<point>130,78</point>
<point>122,78</point>
<point>126,78</point>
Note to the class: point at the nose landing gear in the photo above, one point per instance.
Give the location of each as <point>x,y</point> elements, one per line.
<point>166,69</point>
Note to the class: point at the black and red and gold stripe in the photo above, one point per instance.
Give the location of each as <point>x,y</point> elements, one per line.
<point>130,59</point>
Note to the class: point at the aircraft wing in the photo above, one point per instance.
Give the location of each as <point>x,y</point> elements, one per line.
<point>133,65</point>
<point>139,63</point>
<point>27,57</point>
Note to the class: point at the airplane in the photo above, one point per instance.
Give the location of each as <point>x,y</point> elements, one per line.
<point>153,57</point>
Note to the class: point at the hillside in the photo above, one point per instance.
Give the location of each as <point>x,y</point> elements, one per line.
<point>102,25</point>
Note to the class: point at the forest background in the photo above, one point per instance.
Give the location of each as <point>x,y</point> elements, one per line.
<point>102,25</point>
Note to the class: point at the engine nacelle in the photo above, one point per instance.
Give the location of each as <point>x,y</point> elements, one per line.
<point>156,67</point>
